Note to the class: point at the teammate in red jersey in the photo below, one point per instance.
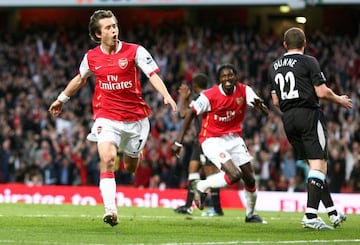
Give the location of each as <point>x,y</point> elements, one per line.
<point>122,119</point>
<point>223,109</point>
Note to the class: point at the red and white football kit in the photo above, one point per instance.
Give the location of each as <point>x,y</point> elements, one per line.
<point>121,106</point>
<point>221,132</point>
<point>117,76</point>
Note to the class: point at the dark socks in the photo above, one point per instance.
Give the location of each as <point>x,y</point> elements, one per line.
<point>190,196</point>
<point>315,188</point>
<point>327,200</point>
<point>215,197</point>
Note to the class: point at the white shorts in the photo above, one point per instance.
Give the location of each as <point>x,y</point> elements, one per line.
<point>221,149</point>
<point>129,136</point>
<point>92,135</point>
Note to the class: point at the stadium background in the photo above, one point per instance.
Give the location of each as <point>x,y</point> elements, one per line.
<point>37,150</point>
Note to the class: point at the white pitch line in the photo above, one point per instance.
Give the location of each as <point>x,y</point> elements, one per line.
<point>193,243</point>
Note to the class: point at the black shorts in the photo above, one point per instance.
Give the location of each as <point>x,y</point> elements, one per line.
<point>306,131</point>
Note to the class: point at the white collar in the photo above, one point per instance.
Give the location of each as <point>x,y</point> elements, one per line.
<point>222,90</point>
<point>118,47</point>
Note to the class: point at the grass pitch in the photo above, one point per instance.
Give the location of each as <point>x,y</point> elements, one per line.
<point>68,225</point>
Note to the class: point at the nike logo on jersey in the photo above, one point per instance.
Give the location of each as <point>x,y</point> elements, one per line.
<point>97,67</point>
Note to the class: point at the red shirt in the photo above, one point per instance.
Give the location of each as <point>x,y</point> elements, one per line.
<point>222,114</point>
<point>96,101</point>
<point>117,78</point>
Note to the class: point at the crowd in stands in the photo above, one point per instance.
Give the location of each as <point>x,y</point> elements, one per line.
<point>37,149</point>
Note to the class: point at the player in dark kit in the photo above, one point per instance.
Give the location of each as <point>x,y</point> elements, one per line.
<point>297,84</point>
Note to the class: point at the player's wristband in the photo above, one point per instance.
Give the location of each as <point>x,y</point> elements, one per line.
<point>178,144</point>
<point>63,97</point>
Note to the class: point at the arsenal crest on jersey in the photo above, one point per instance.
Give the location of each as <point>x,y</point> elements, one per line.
<point>123,63</point>
<point>222,155</point>
<point>239,101</point>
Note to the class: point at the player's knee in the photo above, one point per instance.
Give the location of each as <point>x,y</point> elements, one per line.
<point>108,162</point>
<point>233,173</point>
<point>250,182</point>
<point>131,167</point>
<point>131,164</point>
<point>234,176</point>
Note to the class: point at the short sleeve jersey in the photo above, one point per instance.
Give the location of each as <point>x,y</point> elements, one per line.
<point>117,78</point>
<point>293,77</point>
<point>222,114</point>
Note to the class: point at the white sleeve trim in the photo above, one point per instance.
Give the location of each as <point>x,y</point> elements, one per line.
<point>201,104</point>
<point>145,61</point>
<point>84,69</point>
<point>250,96</point>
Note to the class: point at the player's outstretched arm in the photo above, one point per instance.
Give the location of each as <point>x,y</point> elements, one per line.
<point>177,145</point>
<point>184,99</point>
<point>73,86</point>
<point>161,88</point>
<point>324,92</point>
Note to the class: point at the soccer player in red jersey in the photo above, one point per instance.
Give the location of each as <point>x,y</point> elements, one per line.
<point>122,119</point>
<point>223,109</point>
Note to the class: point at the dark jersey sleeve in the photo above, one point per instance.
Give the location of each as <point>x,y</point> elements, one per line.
<point>317,77</point>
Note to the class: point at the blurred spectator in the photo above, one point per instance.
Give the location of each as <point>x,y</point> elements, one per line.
<point>265,180</point>
<point>336,169</point>
<point>288,167</point>
<point>302,169</point>
<point>33,176</point>
<point>355,177</point>
<point>352,156</point>
<point>143,174</point>
<point>7,162</point>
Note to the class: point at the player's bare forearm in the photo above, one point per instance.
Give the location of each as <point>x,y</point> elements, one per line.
<point>327,93</point>
<point>161,88</point>
<point>190,114</point>
<point>74,85</point>
<point>184,99</point>
<point>176,147</point>
<point>184,107</point>
<point>159,85</point>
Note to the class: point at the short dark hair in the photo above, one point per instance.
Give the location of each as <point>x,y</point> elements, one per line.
<point>201,80</point>
<point>294,38</point>
<point>94,26</point>
<point>225,66</point>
